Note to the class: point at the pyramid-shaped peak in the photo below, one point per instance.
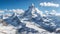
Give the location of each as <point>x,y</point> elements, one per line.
<point>31,6</point>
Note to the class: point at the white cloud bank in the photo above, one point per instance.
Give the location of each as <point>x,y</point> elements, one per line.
<point>53,12</point>
<point>49,4</point>
<point>19,11</point>
<point>1,12</point>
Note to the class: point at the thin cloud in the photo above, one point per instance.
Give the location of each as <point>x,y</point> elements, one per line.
<point>49,4</point>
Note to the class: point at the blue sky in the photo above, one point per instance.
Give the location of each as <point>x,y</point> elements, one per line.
<point>24,4</point>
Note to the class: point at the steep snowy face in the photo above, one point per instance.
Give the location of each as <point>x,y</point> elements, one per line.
<point>28,13</point>
<point>55,17</point>
<point>36,13</point>
<point>13,20</point>
<point>52,20</point>
<point>33,12</point>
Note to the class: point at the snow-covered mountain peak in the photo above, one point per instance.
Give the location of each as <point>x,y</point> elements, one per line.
<point>33,12</point>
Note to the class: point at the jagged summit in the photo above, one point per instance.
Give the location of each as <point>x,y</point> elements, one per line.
<point>32,12</point>
<point>28,12</point>
<point>13,20</point>
<point>31,6</point>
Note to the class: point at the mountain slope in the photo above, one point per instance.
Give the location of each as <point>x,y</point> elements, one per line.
<point>13,20</point>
